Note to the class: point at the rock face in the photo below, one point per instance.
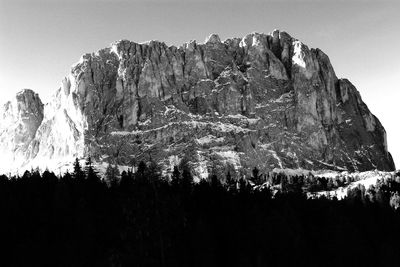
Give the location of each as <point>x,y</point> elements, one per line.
<point>264,100</point>
<point>21,117</point>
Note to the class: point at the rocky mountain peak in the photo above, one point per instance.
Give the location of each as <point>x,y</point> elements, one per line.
<point>25,110</point>
<point>30,105</point>
<point>213,39</point>
<point>264,100</point>
<point>21,117</point>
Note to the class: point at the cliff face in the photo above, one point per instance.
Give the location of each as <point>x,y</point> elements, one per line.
<point>262,100</point>
<point>20,119</point>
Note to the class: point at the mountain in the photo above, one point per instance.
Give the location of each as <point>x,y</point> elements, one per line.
<point>19,123</point>
<point>264,100</point>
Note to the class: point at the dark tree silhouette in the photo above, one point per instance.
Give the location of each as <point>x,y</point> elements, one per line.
<point>145,220</point>
<point>78,172</point>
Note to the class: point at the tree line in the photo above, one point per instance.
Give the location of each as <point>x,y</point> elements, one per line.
<point>144,218</point>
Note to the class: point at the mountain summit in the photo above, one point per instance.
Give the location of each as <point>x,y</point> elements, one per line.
<point>264,100</point>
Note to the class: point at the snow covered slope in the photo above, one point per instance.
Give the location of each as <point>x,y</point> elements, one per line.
<point>366,179</point>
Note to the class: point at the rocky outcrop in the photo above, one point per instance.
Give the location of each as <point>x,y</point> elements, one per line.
<point>263,100</point>
<point>21,117</point>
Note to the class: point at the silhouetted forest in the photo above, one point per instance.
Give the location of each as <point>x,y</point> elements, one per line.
<point>146,219</point>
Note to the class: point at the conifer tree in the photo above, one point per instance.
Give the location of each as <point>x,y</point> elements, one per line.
<point>142,168</point>
<point>230,182</point>
<point>78,173</point>
<point>90,172</point>
<point>153,171</point>
<point>112,175</point>
<point>176,176</point>
<point>256,176</point>
<point>187,178</point>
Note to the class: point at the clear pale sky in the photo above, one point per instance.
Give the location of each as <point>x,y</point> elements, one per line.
<point>40,40</point>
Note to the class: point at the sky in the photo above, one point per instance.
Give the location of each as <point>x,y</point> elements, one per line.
<point>41,39</point>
